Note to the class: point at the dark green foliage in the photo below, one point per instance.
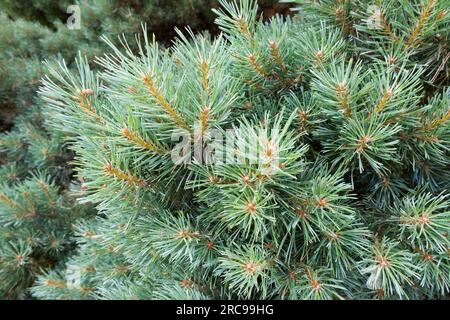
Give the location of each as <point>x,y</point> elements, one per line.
<point>21,53</point>
<point>28,147</point>
<point>45,12</point>
<point>36,231</point>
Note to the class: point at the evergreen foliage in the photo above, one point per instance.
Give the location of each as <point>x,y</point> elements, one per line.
<point>36,231</point>
<point>38,206</point>
<point>37,212</point>
<point>350,200</point>
<point>44,12</point>
<point>33,32</point>
<point>21,54</point>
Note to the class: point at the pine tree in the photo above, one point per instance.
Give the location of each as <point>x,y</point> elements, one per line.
<point>37,203</point>
<point>349,124</point>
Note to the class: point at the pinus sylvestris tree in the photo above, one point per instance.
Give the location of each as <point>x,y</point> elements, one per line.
<point>349,201</point>
<point>38,207</point>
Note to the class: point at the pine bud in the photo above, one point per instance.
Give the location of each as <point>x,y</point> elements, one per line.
<point>87,92</point>
<point>250,267</point>
<point>251,207</point>
<point>322,203</point>
<point>383,262</point>
<point>319,55</point>
<point>391,60</point>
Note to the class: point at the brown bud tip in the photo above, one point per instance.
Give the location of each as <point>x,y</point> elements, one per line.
<point>183,233</point>
<point>319,54</point>
<point>427,257</point>
<point>301,213</point>
<point>383,263</point>
<point>86,92</point>
<point>392,60</point>
<point>213,179</point>
<point>389,92</point>
<point>185,283</point>
<point>210,244</point>
<point>322,202</point>
<point>250,267</point>
<point>424,219</point>
<point>248,106</point>
<point>125,132</point>
<point>250,207</point>
<point>341,87</point>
